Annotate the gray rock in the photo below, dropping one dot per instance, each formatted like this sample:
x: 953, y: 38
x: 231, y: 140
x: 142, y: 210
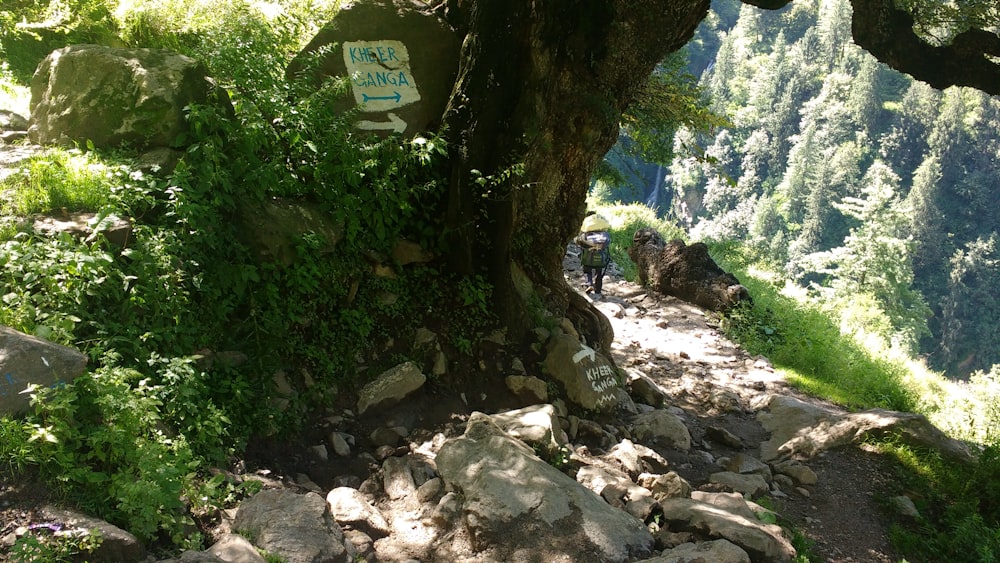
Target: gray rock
x: 298, y: 528
x: 802, y: 474
x: 537, y: 426
x: 730, y: 502
x: 194, y: 557
x: 903, y: 505
x: 430, y: 489
x: 391, y: 387
x: 722, y: 436
x: 645, y: 390
x: 397, y: 480
x: 27, y: 360
x: 85, y: 226
x: 743, y: 463
x: 110, y: 96
x: 12, y: 121
x: 663, y: 427
x: 717, y: 551
x: 668, y: 485
x: 752, y: 484
x: 524, y: 503
x: 408, y: 252
x: 384, y: 436
x: 529, y: 389
x: 636, y: 459
x: 798, y: 428
x: 339, y: 444
x: 763, y: 542
x: 350, y: 508
x: 233, y: 548
x: 272, y: 229
x: 118, y: 546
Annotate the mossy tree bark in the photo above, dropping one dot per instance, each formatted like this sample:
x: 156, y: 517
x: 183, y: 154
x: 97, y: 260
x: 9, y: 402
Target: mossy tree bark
x: 540, y: 91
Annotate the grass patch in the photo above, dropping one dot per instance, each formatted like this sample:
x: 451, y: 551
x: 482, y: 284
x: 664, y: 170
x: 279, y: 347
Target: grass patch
x: 805, y: 342
x: 60, y: 181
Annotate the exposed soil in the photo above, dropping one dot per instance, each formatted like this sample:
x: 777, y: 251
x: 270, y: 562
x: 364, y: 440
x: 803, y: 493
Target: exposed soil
x: 673, y: 343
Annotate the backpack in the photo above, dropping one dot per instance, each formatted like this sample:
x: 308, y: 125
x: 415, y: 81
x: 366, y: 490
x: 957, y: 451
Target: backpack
x: 595, y: 249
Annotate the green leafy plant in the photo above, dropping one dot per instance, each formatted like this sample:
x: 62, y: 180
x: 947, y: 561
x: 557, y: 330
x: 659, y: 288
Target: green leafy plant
x: 43, y: 543
x: 102, y: 440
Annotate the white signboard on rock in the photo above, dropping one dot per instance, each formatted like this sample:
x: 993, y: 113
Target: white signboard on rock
x: 381, y: 78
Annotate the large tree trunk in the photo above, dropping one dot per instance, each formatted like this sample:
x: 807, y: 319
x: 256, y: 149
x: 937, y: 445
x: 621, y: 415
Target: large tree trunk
x: 540, y: 92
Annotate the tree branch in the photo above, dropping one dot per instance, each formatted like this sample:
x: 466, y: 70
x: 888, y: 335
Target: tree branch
x: 887, y: 33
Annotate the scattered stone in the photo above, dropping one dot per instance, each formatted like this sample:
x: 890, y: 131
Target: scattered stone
x: 722, y: 436
x: 743, y: 463
x: 802, y: 474
x: 645, y: 390
x: 430, y: 489
x: 383, y: 436
x: 305, y: 532
x: 903, y: 505
x: 397, y: 479
x: 363, y: 544
x: 716, y: 551
x: 392, y: 386
x: 339, y: 444
x: 753, y: 485
x: 668, y: 485
x: 86, y: 226
x: 306, y: 482
x: 350, y: 508
x: 663, y: 427
x: 529, y: 389
x: 636, y: 458
x: 233, y: 548
x: 320, y: 452
x: 730, y: 502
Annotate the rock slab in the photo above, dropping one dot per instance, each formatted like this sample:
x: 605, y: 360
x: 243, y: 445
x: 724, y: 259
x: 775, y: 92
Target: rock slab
x: 513, y: 496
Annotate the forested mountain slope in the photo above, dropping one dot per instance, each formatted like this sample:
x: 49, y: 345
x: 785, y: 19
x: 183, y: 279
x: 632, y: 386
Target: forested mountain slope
x: 856, y: 180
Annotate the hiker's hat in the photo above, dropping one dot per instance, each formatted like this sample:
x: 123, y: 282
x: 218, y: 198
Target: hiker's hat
x: 594, y: 223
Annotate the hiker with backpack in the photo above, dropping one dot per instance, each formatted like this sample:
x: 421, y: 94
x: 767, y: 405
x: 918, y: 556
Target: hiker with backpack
x: 595, y: 241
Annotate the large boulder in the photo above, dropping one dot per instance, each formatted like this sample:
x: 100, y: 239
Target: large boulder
x: 589, y: 378
x: 401, y: 57
x: 801, y: 429
x: 27, y: 360
x: 532, y: 511
x: 111, y: 96
x: 684, y: 271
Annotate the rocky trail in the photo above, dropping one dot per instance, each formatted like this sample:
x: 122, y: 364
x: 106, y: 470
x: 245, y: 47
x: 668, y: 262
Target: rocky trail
x: 413, y: 480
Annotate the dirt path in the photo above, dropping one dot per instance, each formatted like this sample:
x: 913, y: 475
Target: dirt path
x: 676, y: 345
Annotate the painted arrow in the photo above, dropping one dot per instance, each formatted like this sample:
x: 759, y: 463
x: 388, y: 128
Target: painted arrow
x: 587, y: 351
x: 395, y: 97
x: 394, y: 124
